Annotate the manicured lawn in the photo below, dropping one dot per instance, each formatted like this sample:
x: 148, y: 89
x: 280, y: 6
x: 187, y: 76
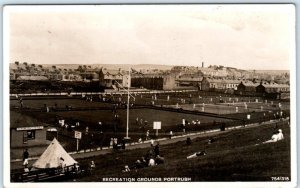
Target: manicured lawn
x: 169, y: 121
x: 230, y: 108
x: 60, y: 103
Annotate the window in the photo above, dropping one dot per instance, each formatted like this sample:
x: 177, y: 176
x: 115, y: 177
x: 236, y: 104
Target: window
x: 30, y: 135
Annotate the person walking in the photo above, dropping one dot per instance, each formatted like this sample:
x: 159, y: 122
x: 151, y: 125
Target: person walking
x: 25, y: 157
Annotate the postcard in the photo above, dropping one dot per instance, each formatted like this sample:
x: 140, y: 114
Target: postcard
x: 150, y: 95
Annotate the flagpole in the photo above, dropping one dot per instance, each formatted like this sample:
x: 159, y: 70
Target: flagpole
x: 128, y: 103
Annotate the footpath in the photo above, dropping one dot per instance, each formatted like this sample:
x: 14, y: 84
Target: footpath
x: 17, y: 163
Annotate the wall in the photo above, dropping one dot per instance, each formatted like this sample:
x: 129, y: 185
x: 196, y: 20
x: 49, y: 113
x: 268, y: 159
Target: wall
x: 16, y: 139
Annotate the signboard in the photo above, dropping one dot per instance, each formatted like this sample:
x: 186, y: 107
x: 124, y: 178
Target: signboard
x: 29, y: 128
x: 77, y: 135
x: 157, y: 125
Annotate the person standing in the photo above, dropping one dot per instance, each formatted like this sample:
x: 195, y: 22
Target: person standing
x: 137, y: 121
x: 171, y: 134
x: 152, y: 142
x: 147, y: 135
x: 156, y: 150
x: 25, y: 157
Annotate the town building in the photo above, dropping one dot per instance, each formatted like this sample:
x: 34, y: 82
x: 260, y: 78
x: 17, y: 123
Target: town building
x: 189, y: 79
x: 272, y: 89
x: 156, y: 80
x: 246, y: 87
x: 114, y: 78
x: 26, y: 131
x: 218, y: 84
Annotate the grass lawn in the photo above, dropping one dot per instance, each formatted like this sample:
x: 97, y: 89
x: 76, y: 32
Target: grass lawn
x: 222, y: 108
x: 234, y: 156
x: 61, y: 103
x: 162, y: 99
x: 170, y: 121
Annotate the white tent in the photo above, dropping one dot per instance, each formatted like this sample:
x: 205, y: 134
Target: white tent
x: 54, y: 156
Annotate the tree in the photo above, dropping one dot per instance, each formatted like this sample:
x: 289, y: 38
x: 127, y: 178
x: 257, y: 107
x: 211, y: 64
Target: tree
x: 17, y: 63
x: 54, y: 67
x: 80, y: 69
x: 25, y: 63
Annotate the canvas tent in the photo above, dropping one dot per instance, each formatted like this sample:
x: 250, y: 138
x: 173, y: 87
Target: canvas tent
x: 54, y: 156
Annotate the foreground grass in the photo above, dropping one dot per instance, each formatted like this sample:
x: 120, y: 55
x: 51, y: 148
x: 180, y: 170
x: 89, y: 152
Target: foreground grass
x: 234, y: 156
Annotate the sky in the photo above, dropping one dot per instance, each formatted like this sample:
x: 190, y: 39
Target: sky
x: 241, y: 36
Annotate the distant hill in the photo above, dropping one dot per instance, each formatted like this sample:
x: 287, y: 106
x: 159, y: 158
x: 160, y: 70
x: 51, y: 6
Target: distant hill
x: 112, y: 66
x: 144, y: 66
x: 272, y: 71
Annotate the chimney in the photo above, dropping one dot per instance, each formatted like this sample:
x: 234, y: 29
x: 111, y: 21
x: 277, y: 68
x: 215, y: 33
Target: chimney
x: 202, y: 64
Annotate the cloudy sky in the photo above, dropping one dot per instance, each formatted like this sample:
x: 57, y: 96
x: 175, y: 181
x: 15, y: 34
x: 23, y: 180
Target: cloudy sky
x: 242, y: 36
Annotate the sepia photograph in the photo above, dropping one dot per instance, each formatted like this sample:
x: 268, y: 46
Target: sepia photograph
x: 144, y: 93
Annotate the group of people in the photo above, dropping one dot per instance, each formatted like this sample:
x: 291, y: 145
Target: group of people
x: 152, y: 158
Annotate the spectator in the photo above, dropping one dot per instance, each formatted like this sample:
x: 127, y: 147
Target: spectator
x: 147, y: 135
x: 140, y: 140
x: 144, y: 162
x: 111, y: 143
x: 222, y: 128
x: 92, y: 167
x: 151, y: 162
x: 149, y: 155
x: 159, y: 160
x: 171, y: 134
x: 126, y: 169
x: 280, y: 135
x: 77, y: 168
x: 156, y: 150
x: 152, y: 142
x: 138, y: 164
x: 211, y: 140
x: 197, y: 154
x: 188, y: 141
x: 275, y: 137
x: 123, y: 144
x: 141, y: 121
x: 25, y: 157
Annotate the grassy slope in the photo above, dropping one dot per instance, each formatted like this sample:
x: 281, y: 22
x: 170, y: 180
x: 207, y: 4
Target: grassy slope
x: 233, y: 156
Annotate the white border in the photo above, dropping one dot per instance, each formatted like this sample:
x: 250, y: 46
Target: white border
x: 6, y: 131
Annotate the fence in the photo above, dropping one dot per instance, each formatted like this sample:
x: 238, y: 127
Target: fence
x: 113, y: 92
x: 41, y: 175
